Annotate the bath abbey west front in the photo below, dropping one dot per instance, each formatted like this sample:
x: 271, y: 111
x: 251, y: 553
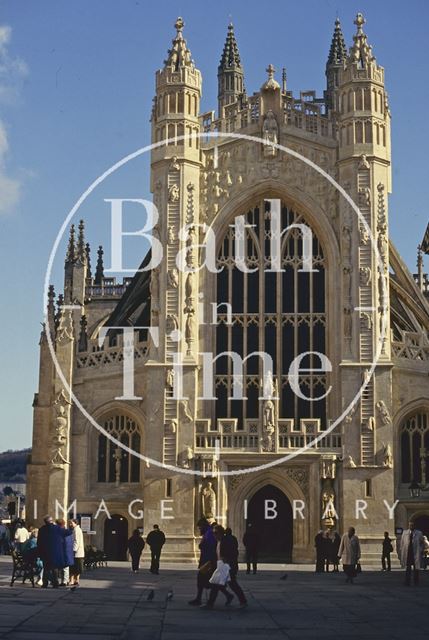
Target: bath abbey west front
x: 356, y: 287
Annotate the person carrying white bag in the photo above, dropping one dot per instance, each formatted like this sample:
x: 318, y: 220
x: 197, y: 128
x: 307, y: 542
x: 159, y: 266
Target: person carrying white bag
x: 219, y: 578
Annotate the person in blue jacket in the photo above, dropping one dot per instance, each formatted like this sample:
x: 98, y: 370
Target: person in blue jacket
x: 50, y: 545
x: 64, y: 574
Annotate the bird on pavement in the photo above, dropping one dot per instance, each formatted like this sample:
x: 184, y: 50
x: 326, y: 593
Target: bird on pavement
x: 151, y: 595
x: 170, y: 595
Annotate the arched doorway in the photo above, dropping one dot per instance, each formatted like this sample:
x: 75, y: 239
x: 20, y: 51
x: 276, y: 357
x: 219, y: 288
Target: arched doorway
x: 116, y: 537
x: 422, y: 522
x: 275, y: 533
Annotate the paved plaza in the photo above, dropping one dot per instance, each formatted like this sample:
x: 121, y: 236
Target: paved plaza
x: 113, y: 603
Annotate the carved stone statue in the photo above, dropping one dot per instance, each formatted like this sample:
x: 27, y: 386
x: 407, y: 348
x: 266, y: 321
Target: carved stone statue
x: 173, y: 278
x: 169, y: 378
x: 154, y: 291
x: 208, y: 495
x: 171, y: 236
x: 173, y: 193
x: 269, y: 415
x: 348, y: 322
x: 365, y: 276
x: 387, y: 456
x: 270, y: 134
x: 328, y: 506
x: 384, y: 413
x: 184, y: 410
x: 118, y: 461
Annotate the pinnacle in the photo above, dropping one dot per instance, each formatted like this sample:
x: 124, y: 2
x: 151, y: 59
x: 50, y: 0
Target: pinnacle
x: 230, y: 55
x: 338, y: 50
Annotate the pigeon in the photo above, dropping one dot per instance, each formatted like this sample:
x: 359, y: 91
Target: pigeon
x: 170, y: 595
x: 284, y: 577
x: 151, y: 595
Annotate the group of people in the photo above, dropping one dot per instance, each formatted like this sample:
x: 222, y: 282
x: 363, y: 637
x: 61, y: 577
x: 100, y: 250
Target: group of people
x: 56, y: 550
x: 218, y: 566
x: 327, y: 545
x: 155, y: 539
x: 413, y: 552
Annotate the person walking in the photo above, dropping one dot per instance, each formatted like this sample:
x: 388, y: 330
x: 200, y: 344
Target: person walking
x: 387, y: 549
x: 318, y: 543
x: 207, y: 562
x: 251, y: 544
x: 425, y: 559
x: 156, y: 540
x: 135, y: 548
x: 335, y: 546
x: 226, y: 552
x: 50, y: 548
x: 411, y: 551
x: 349, y: 552
x: 79, y: 553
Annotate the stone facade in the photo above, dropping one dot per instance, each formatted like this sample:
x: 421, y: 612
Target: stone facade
x: 371, y: 310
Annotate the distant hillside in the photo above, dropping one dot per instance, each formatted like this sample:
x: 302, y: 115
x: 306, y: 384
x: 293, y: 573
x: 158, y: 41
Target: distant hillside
x: 13, y: 465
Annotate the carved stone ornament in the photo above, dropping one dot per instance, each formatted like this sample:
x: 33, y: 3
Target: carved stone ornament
x: 208, y: 499
x: 173, y: 193
x: 383, y: 412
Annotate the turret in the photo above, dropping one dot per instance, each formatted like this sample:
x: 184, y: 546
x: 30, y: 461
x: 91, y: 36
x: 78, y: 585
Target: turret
x: 177, y: 102
x: 230, y: 73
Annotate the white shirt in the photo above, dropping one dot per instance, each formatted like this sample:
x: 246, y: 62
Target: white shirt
x: 78, y: 545
x: 21, y: 535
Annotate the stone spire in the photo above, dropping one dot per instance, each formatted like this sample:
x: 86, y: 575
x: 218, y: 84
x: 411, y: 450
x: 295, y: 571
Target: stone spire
x: 338, y: 50
x: 271, y: 84
x: 71, y: 247
x: 88, y: 259
x: 179, y: 55
x: 360, y: 51
x: 50, y: 311
x: 99, y: 271
x: 80, y: 246
x: 336, y: 58
x: 230, y: 72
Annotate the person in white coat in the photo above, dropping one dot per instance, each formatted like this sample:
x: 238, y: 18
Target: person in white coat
x: 411, y: 552
x: 349, y: 552
x: 79, y: 553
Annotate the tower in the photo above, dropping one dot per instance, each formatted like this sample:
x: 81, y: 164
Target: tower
x: 336, y: 58
x: 230, y: 73
x: 175, y: 180
x: 364, y: 172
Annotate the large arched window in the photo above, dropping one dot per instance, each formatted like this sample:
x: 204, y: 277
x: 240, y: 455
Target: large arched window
x: 114, y: 463
x: 414, y: 446
x: 280, y: 313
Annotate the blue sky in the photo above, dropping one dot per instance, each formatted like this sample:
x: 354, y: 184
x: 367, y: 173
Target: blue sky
x: 76, y: 87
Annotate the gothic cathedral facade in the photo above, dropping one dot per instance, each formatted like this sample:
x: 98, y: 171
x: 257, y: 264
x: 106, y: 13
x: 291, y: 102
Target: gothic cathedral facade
x: 323, y: 440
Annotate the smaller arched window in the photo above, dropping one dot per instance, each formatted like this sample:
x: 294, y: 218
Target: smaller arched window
x: 414, y: 443
x: 114, y: 463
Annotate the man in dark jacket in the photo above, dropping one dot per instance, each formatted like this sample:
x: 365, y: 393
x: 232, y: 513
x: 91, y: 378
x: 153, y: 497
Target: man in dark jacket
x: 386, y: 551
x: 251, y: 542
x: 156, y: 540
x: 50, y: 546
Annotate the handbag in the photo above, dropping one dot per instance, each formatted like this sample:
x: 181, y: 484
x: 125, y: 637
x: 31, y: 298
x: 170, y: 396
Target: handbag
x: 205, y: 569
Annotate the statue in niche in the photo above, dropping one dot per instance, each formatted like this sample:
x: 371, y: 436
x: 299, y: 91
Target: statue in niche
x: 173, y: 193
x: 208, y: 496
x: 60, y: 436
x: 171, y: 236
x: 270, y: 134
x: 347, y: 244
x: 387, y: 456
x: 174, y: 165
x: 169, y: 378
x: 118, y: 462
x: 184, y: 410
x: 366, y: 320
x: 328, y: 505
x: 173, y: 277
x: 384, y: 413
x: 363, y: 163
x: 363, y: 234
x: 365, y: 276
x: 369, y: 424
